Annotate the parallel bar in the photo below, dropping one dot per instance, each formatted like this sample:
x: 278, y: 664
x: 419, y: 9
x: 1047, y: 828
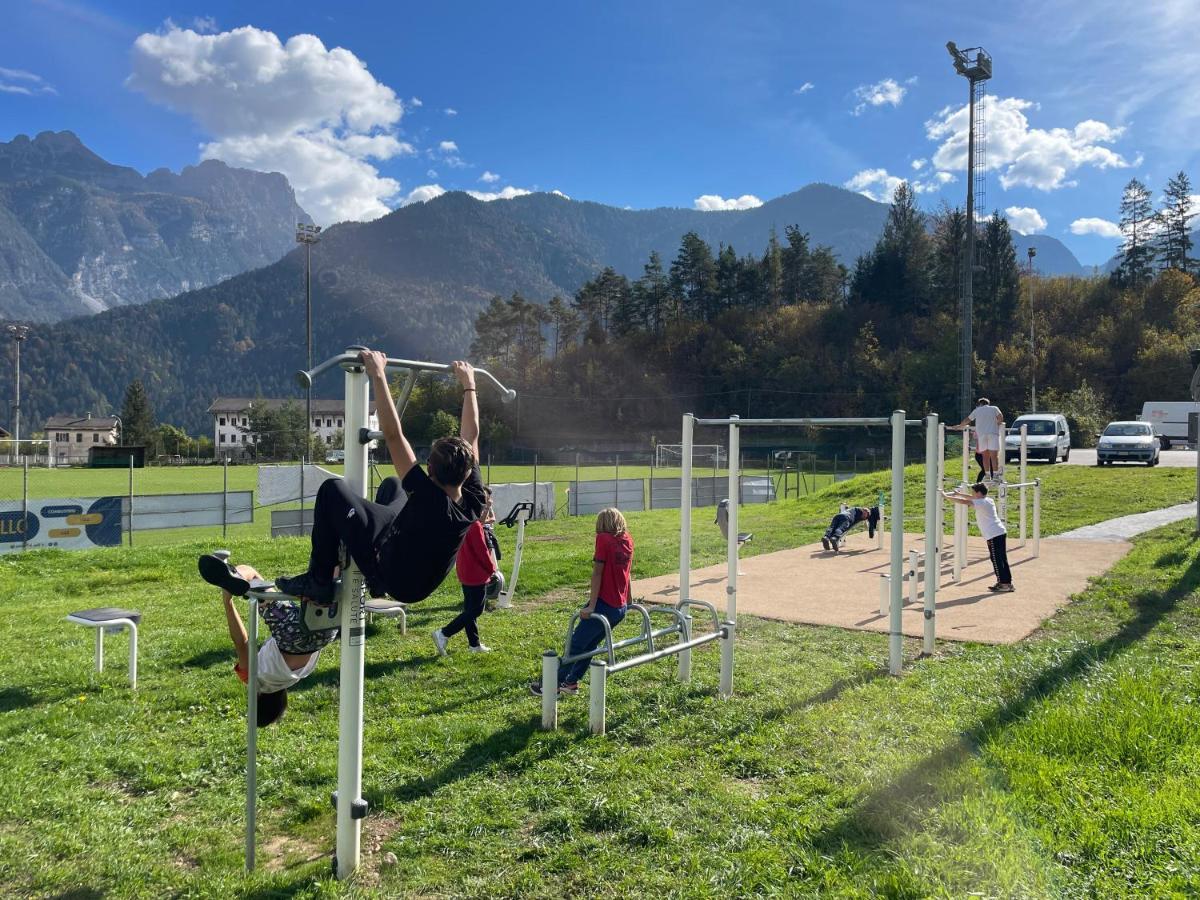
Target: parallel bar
x: 1024, y: 475
x: 1037, y: 518
x: 251, y: 731
x: 353, y: 638
x: 727, y: 644
x: 933, y: 534
x: 731, y: 549
x: 827, y: 421
x: 685, y: 533
x: 896, y: 636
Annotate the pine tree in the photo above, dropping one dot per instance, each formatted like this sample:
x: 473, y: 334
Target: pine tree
x: 652, y: 293
x: 997, y: 290
x: 773, y: 270
x: 1137, y: 251
x: 694, y: 277
x: 1174, y: 221
x: 137, y: 416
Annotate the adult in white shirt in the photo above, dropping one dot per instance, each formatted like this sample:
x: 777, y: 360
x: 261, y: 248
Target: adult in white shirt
x: 993, y: 531
x: 988, y: 421
x: 286, y: 658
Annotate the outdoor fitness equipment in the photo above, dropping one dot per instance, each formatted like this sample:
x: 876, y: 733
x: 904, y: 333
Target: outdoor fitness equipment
x: 517, y: 516
x: 898, y: 423
x: 351, y: 807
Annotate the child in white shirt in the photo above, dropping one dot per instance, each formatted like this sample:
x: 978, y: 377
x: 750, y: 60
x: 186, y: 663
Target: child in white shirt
x: 993, y: 531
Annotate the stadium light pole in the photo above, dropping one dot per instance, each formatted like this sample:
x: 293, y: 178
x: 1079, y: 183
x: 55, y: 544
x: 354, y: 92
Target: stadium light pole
x: 976, y: 70
x: 1194, y: 356
x: 1032, y: 252
x: 19, y: 333
x: 307, y: 235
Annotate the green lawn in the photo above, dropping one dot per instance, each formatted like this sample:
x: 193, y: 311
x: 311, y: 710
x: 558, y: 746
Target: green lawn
x: 1065, y: 766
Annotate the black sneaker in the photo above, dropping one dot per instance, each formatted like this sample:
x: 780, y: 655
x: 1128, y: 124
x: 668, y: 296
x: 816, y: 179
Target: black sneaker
x: 220, y: 573
x: 305, y: 585
x: 825, y: 543
x: 535, y: 688
x: 834, y: 544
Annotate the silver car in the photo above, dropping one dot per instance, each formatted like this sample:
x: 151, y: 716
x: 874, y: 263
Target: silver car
x: 1128, y: 442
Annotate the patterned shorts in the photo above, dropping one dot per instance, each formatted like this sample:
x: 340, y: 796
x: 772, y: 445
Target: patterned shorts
x: 286, y: 622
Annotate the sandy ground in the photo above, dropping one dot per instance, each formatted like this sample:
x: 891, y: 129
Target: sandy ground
x: 817, y: 587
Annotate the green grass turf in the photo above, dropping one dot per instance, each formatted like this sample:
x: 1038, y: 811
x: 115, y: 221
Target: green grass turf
x: 1065, y: 766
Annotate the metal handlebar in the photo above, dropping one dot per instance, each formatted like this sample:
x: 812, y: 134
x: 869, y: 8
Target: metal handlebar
x: 351, y: 355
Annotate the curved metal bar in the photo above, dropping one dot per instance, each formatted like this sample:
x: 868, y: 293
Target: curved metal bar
x: 647, y: 628
x: 306, y: 378
x: 703, y: 604
x: 567, y: 658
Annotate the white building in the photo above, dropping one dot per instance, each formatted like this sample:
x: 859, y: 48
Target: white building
x: 231, y: 419
x: 72, y: 437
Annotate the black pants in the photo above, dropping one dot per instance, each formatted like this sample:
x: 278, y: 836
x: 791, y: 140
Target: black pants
x: 839, y: 525
x: 340, y: 517
x: 473, y: 600
x: 998, y: 551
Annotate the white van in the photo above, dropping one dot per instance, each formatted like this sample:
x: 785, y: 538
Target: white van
x: 1169, y: 420
x: 1047, y: 436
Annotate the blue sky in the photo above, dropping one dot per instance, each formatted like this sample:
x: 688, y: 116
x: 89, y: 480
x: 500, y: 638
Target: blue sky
x: 633, y: 104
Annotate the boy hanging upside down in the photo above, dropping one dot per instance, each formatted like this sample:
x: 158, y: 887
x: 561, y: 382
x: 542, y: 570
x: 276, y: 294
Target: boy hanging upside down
x: 847, y: 519
x: 403, y: 552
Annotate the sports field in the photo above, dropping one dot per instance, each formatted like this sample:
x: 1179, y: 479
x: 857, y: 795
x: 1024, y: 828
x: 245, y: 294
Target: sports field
x: 1061, y: 766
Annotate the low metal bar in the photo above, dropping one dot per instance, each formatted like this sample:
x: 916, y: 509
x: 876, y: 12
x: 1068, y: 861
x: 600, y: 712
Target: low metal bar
x: 704, y: 604
x: 665, y: 651
x: 878, y: 420
x: 1037, y: 518
x: 607, y: 641
x: 725, y: 690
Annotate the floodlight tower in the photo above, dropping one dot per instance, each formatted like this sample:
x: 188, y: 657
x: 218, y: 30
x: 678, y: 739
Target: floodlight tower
x: 307, y: 235
x: 975, y: 65
x: 18, y: 333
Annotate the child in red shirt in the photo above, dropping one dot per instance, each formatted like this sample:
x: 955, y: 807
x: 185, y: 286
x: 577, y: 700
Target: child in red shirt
x: 476, y: 565
x: 609, y: 596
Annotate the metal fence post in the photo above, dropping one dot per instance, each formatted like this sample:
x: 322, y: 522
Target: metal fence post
x: 24, y: 504
x: 617, y: 480
x: 130, y: 499
x: 535, y: 464
x: 225, y: 498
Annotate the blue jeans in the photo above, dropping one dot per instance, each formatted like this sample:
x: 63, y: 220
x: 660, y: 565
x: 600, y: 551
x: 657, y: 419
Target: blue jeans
x: 587, y: 637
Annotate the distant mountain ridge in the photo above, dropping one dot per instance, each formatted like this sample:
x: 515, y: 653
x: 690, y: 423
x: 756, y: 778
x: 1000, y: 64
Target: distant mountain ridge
x: 412, y: 282
x: 81, y: 235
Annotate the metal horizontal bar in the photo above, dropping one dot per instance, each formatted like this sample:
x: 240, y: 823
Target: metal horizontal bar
x: 665, y: 651
x: 1020, y: 484
x: 627, y: 642
x: 351, y: 355
x: 830, y: 422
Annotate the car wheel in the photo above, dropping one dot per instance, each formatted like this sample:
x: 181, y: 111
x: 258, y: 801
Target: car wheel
x: 1067, y: 455
x: 1052, y: 457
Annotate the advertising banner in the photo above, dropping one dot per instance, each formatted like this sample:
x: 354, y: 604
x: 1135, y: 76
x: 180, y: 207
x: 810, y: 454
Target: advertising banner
x: 67, y: 523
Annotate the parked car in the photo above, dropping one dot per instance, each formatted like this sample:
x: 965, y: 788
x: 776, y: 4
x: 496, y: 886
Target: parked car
x: 336, y: 456
x: 1169, y: 419
x: 1047, y: 436
x: 1128, y: 442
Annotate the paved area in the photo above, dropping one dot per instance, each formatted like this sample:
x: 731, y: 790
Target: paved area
x: 1126, y: 527
x: 1181, y: 458
x: 811, y: 585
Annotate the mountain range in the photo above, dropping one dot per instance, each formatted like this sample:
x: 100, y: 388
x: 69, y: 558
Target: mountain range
x: 81, y: 235
x: 412, y: 281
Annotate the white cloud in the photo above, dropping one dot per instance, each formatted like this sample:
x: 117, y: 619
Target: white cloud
x: 1101, y: 227
x: 450, y: 111
x: 919, y: 164
x: 1025, y: 156
x: 715, y: 202
x: 431, y: 173
x: 317, y: 115
x: 1025, y: 219
x: 489, y: 177
x: 423, y: 193
x: 448, y: 147
x: 415, y: 102
x: 883, y: 93
x: 18, y: 81
x: 875, y: 183
x: 205, y: 25
x: 506, y: 194
x: 559, y: 193
x: 804, y: 88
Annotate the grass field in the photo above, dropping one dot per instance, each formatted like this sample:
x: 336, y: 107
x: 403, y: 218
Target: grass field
x: 1065, y: 766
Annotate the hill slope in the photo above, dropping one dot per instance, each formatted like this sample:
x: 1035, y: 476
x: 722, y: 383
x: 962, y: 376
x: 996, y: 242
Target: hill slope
x: 82, y: 235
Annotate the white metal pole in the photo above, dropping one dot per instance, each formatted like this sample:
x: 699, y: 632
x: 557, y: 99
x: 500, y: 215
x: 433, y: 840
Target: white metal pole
x: 99, y: 649
x: 132, y: 629
x: 731, y: 548
x: 727, y: 661
x: 914, y: 581
x: 941, y: 482
x: 885, y: 593
x: 1024, y: 475
x: 882, y: 519
x: 1037, y: 517
x: 933, y: 535
x: 550, y: 663
x: 685, y: 656
x: 896, y: 638
x: 598, y: 671
x: 350, y: 807
x: 685, y: 533
x: 251, y: 730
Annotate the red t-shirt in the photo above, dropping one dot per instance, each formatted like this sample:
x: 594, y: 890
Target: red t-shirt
x: 475, y: 564
x: 616, y: 552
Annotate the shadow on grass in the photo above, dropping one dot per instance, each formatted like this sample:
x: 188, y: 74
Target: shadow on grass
x: 878, y: 817
x: 81, y: 893
x: 16, y: 698
x: 209, y: 658
x: 378, y: 669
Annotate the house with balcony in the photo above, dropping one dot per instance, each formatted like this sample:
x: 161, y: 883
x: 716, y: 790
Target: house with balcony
x: 72, y: 437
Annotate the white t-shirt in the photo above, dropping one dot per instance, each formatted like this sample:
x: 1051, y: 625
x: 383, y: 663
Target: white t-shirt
x: 986, y: 518
x: 987, y: 420
x: 274, y: 674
